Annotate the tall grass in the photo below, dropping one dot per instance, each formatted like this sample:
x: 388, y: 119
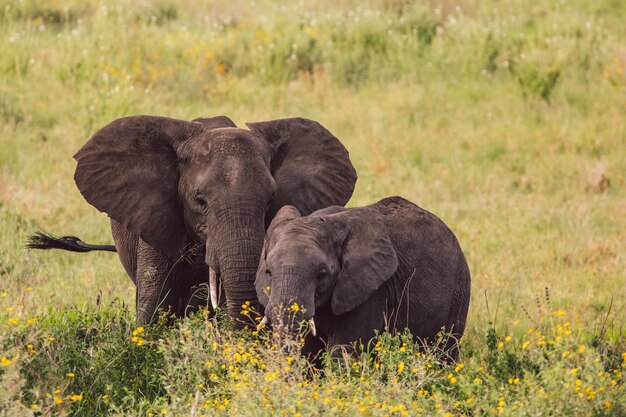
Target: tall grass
x: 504, y: 118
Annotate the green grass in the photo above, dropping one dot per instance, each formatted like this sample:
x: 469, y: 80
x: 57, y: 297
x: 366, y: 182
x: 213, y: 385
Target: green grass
x: 503, y: 118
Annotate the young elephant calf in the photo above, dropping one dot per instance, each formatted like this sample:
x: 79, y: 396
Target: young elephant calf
x: 350, y: 271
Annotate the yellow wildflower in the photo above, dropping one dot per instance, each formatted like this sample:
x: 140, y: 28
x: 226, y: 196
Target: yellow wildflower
x: 5, y: 361
x: 311, y: 32
x: 137, y: 340
x: 76, y: 397
x: 71, y: 374
x: 270, y: 376
x: 58, y: 400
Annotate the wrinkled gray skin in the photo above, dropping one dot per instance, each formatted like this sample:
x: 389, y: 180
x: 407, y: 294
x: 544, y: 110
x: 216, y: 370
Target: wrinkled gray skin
x: 387, y: 265
x: 171, y: 185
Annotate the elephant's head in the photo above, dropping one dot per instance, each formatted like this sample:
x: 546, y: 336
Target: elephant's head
x: 176, y: 183
x: 335, y: 257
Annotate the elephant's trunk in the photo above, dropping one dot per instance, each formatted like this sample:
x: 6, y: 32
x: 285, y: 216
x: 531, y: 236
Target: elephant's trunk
x: 234, y: 253
x: 291, y: 301
x: 237, y: 277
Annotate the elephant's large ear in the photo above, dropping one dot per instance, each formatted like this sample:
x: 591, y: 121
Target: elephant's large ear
x: 368, y: 260
x: 311, y: 167
x: 263, y: 280
x: 129, y: 170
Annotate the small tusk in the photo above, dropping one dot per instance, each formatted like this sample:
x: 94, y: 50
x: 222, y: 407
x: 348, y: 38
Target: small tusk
x: 262, y: 323
x: 312, y: 327
x: 213, y: 287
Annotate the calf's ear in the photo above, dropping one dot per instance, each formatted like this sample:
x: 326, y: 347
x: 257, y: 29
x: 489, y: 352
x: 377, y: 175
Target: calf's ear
x: 368, y: 260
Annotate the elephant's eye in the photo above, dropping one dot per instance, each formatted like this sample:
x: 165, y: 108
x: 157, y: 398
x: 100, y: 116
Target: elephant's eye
x: 200, y: 201
x: 268, y: 272
x: 323, y: 272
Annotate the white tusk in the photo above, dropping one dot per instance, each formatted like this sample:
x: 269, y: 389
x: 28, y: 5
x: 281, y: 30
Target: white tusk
x: 213, y: 287
x: 312, y: 327
x: 262, y: 323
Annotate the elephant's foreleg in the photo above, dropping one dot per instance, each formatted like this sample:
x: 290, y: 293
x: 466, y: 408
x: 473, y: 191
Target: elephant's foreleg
x: 127, y: 244
x: 154, y: 284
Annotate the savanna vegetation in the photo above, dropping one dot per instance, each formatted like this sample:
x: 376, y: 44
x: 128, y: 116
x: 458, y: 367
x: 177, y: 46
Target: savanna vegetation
x: 505, y: 118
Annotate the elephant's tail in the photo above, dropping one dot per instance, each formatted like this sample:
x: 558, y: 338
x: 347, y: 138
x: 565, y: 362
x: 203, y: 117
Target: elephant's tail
x: 42, y: 240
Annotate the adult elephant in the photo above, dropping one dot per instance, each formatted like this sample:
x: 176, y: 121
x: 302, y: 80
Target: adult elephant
x: 169, y: 184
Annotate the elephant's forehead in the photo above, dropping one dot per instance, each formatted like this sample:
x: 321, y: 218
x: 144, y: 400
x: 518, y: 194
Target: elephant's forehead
x: 229, y: 148
x: 303, y: 233
x: 296, y: 250
x: 230, y: 142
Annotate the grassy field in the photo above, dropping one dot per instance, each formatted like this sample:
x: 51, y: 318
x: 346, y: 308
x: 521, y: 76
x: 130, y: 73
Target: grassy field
x: 504, y: 118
